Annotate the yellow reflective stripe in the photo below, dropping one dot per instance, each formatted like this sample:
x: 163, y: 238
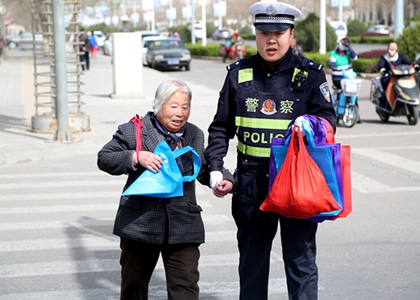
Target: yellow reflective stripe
x: 245, y: 75
x: 262, y: 123
x: 254, y: 151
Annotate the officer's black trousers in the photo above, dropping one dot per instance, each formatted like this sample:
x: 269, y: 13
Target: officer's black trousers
x: 256, y: 230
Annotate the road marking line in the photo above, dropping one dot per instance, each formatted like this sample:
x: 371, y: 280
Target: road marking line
x: 390, y: 159
x: 376, y: 134
x: 58, y: 184
x: 158, y: 292
x: 90, y: 222
x: 62, y: 196
x: 55, y: 175
x: 364, y: 184
x: 91, y: 240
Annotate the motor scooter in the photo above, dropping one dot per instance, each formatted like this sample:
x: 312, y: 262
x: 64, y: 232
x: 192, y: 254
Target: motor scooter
x: 240, y: 50
x: 236, y: 51
x: 401, y: 99
x: 345, y: 99
x: 224, y: 50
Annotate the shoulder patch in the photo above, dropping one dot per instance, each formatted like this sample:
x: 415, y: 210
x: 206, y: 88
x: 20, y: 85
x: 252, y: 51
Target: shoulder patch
x: 325, y: 90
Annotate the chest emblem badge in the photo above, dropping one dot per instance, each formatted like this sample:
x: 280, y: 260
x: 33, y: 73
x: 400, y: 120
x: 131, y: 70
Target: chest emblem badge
x: 269, y: 107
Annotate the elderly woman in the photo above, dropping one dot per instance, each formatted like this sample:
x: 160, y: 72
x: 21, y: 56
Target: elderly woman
x: 148, y: 226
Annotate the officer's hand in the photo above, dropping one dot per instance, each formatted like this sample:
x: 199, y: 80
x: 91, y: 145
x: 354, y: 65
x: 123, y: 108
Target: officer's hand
x: 299, y: 123
x: 216, y: 177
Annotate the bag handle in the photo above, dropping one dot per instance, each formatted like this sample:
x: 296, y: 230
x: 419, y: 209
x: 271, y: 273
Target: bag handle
x: 309, y: 135
x: 138, y: 123
x: 196, y: 162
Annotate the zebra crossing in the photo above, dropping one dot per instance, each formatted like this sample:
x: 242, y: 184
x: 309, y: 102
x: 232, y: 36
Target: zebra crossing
x: 56, y: 223
x: 56, y: 237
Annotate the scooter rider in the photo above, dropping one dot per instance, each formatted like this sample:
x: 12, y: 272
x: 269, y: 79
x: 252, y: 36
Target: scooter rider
x: 262, y: 94
x: 341, y: 59
x: 388, y: 61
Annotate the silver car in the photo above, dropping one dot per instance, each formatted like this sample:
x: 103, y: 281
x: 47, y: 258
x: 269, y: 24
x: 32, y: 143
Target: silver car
x: 168, y: 53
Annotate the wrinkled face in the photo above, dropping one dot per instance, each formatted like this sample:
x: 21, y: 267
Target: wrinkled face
x: 175, y: 112
x: 272, y: 46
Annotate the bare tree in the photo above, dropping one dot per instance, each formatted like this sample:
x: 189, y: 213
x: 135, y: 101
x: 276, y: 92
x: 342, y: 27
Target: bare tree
x: 19, y: 11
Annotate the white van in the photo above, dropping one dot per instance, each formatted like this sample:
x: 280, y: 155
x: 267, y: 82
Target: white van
x: 340, y: 29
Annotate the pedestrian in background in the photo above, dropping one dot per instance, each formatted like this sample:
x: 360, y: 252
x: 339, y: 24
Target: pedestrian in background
x: 3, y: 46
x: 149, y: 227
x: 296, y: 48
x: 84, y: 49
x: 263, y: 94
x: 93, y: 43
x: 176, y: 35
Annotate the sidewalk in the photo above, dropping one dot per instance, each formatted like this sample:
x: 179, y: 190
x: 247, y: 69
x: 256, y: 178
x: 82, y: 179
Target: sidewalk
x: 18, y: 144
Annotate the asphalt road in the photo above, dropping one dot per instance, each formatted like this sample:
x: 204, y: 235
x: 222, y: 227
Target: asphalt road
x: 56, y: 218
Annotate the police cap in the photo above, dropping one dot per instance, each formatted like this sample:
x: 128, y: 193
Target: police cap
x: 272, y: 16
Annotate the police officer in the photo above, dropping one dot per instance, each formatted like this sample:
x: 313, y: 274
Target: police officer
x: 261, y: 96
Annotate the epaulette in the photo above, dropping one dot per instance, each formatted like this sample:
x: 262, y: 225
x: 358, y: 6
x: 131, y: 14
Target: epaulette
x: 240, y: 62
x: 233, y: 66
x: 308, y: 63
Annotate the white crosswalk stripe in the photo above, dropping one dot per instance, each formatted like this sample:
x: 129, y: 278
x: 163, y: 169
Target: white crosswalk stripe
x: 383, y: 157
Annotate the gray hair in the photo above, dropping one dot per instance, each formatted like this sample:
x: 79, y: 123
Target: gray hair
x: 165, y: 91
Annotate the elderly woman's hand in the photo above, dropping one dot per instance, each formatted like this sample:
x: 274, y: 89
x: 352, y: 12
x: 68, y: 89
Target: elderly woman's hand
x: 148, y: 160
x: 223, y: 188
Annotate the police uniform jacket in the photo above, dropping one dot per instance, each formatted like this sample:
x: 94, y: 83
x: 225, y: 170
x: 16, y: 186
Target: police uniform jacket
x: 154, y: 220
x: 278, y: 102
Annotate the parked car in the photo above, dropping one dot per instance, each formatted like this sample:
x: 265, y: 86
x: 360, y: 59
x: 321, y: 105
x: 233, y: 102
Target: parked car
x: 382, y: 29
x: 146, y: 42
x: 221, y: 34
x: 147, y: 33
x: 24, y: 40
x: 107, y: 47
x: 100, y: 38
x: 340, y: 29
x: 168, y: 53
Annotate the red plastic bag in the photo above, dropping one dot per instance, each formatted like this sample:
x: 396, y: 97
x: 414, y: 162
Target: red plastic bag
x: 346, y: 175
x: 138, y: 122
x: 299, y: 189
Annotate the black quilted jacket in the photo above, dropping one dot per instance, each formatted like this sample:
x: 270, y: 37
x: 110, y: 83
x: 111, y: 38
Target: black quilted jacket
x: 145, y: 218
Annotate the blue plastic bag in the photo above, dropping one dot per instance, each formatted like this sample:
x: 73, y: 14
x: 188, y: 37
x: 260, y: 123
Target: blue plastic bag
x: 168, y: 182
x: 322, y: 156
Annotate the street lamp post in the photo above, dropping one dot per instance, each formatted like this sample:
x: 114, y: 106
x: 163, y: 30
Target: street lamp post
x: 322, y: 29
x: 204, y: 21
